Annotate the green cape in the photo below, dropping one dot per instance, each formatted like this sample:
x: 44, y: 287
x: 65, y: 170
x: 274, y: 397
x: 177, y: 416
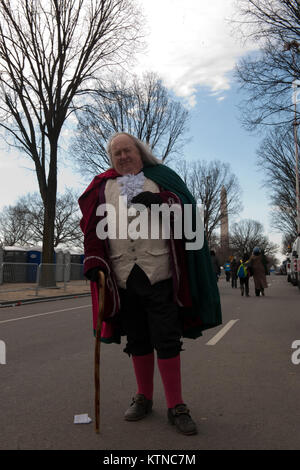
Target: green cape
x: 202, y: 279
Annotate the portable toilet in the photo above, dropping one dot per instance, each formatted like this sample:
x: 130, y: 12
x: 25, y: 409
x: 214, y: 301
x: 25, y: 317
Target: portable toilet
x: 76, y: 266
x: 67, y: 263
x: 59, y: 261
x: 34, y: 258
x: 15, y: 261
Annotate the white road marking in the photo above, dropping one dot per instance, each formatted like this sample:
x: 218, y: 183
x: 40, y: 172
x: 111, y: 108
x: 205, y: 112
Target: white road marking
x: 43, y: 314
x: 221, y: 333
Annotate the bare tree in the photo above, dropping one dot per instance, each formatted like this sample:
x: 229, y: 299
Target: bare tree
x: 205, y: 181
x: 276, y: 156
x: 247, y: 234
x: 67, y: 219
x: 15, y: 226
x: 50, y: 53
x: 287, y: 243
x: 139, y: 106
x: 67, y: 232
x: 271, y: 19
x: 22, y: 224
x: 267, y: 76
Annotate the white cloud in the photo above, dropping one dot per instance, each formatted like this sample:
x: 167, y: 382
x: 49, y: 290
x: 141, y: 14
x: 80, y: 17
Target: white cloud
x: 190, y: 44
x: 16, y: 177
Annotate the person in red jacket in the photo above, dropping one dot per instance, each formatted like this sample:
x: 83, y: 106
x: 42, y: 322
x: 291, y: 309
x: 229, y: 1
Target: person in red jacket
x: 148, y: 292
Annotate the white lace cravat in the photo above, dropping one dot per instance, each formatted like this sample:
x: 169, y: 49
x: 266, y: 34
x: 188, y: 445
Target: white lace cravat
x: 131, y: 185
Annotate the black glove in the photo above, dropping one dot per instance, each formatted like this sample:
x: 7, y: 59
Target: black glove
x: 147, y: 198
x: 93, y: 274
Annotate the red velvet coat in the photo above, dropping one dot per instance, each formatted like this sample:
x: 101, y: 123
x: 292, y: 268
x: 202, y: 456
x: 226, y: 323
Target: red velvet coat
x: 97, y: 255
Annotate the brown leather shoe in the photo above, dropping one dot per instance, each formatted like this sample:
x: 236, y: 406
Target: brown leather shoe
x: 139, y: 408
x: 180, y: 416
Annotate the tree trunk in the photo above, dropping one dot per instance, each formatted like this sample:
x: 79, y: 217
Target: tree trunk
x: 48, y: 273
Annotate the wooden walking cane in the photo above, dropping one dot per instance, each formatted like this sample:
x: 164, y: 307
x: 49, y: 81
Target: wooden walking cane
x: 97, y: 349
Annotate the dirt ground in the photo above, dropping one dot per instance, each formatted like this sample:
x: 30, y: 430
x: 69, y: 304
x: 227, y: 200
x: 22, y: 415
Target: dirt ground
x: 16, y: 292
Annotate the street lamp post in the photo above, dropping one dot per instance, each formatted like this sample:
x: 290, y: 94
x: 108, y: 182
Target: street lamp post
x: 296, y: 83
x: 294, y: 46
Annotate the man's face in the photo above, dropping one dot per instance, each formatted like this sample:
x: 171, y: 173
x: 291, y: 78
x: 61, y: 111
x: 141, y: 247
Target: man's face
x: 126, y: 158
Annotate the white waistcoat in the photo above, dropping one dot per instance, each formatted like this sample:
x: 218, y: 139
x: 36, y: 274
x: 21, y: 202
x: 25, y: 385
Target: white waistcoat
x: 152, y: 255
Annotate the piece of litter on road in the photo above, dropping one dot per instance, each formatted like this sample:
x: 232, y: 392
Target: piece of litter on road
x: 82, y: 419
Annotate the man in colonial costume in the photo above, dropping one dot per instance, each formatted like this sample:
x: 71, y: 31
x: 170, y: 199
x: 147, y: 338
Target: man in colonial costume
x: 157, y: 290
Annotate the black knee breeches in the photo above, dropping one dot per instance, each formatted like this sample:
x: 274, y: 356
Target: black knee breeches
x: 150, y: 317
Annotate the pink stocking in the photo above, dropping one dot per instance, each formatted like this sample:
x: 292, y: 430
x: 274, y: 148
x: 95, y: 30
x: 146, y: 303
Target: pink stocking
x: 144, y: 371
x: 171, y: 378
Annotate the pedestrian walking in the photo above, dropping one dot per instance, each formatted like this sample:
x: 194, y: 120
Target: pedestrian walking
x: 258, y: 267
x: 157, y: 291
x: 233, y: 269
x: 215, y: 264
x: 243, y: 274
x: 227, y: 270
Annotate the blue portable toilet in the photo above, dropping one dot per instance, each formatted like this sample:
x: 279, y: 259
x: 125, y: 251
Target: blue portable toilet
x: 34, y: 256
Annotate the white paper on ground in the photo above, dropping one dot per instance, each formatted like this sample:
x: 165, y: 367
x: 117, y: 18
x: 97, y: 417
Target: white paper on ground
x: 82, y: 419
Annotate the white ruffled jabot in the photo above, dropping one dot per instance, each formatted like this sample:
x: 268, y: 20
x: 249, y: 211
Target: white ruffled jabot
x: 131, y: 185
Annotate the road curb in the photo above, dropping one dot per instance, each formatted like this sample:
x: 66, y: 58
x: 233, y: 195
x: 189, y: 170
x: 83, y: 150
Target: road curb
x: 17, y: 303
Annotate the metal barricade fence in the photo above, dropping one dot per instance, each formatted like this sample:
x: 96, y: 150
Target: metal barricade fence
x: 39, y: 278
x: 63, y: 274
x: 75, y: 272
x: 18, y: 272
x: 49, y: 274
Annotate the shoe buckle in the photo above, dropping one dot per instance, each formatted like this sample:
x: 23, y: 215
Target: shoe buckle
x: 138, y: 399
x: 182, y: 410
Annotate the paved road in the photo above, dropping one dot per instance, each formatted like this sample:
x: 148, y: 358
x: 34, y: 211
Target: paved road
x: 242, y: 388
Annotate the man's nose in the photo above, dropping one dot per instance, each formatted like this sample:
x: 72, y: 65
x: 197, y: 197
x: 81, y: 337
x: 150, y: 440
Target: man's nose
x: 123, y: 155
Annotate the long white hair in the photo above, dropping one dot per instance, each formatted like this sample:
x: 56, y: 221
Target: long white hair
x: 144, y: 149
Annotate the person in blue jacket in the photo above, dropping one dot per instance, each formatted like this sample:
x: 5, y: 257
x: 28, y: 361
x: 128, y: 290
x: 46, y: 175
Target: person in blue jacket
x: 227, y: 270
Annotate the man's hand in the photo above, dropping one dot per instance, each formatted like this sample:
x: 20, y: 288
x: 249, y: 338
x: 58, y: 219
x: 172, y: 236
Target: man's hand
x: 147, y: 198
x: 93, y: 274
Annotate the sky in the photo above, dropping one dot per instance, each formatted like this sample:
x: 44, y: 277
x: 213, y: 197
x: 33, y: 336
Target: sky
x: 192, y: 46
